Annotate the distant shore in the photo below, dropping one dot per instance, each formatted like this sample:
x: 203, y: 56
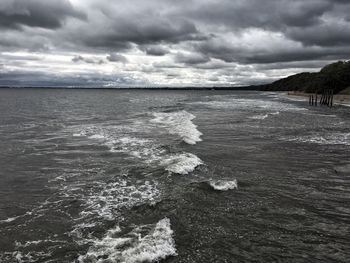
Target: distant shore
x: 241, y: 88
x: 339, y: 99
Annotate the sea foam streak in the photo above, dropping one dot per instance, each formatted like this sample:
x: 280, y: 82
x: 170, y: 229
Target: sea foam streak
x: 156, y: 245
x: 333, y: 138
x: 248, y: 104
x: 221, y: 185
x: 179, y: 123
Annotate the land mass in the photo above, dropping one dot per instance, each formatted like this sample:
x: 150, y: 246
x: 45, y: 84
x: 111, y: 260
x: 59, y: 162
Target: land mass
x: 334, y: 76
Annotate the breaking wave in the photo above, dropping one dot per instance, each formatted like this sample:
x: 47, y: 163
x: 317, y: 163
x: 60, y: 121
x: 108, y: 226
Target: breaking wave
x: 149, y: 151
x: 221, y: 185
x: 179, y: 123
x: 148, y: 243
x: 182, y: 163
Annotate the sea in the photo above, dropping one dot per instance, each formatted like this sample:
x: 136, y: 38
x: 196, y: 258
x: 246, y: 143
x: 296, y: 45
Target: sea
x: 89, y: 175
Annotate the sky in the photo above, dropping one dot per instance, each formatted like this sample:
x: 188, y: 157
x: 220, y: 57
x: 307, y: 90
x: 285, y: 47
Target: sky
x: 149, y: 43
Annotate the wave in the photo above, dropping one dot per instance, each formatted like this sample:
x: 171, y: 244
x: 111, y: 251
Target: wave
x: 156, y: 244
x: 179, y: 123
x: 263, y: 116
x: 221, y: 185
x: 327, y: 139
x: 182, y: 163
x: 148, y: 150
x: 9, y: 220
x: 259, y: 117
x: 248, y: 104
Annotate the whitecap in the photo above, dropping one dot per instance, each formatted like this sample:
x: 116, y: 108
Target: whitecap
x: 326, y: 139
x: 248, y: 104
x: 149, y: 151
x: 97, y: 136
x: 259, y: 117
x: 264, y: 116
x: 221, y: 185
x: 182, y: 163
x: 156, y: 245
x: 10, y: 219
x: 179, y: 123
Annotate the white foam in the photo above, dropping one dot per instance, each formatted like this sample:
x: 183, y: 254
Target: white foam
x: 107, y: 198
x: 333, y: 138
x: 263, y: 116
x: 248, y: 104
x: 156, y: 245
x: 221, y: 185
x: 179, y: 123
x: 182, y: 163
x: 259, y: 117
x: 97, y: 136
x: 10, y: 219
x: 149, y: 151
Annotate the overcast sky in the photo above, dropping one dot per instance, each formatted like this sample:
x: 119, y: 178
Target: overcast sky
x: 168, y: 42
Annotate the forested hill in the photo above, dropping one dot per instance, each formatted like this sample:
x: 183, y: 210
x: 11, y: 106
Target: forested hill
x: 335, y: 76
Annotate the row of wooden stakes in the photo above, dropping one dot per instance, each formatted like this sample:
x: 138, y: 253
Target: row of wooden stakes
x: 326, y: 98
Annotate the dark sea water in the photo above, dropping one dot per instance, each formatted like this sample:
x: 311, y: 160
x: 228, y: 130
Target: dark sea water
x: 172, y: 176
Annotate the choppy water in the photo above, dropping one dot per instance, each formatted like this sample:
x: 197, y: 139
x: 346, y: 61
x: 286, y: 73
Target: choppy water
x: 179, y: 176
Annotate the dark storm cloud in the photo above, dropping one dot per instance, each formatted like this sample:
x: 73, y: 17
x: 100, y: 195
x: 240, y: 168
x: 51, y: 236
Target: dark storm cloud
x: 36, y: 13
x: 274, y: 53
x: 292, y: 65
x: 121, y: 33
x: 326, y: 35
x: 269, y: 14
x: 191, y: 35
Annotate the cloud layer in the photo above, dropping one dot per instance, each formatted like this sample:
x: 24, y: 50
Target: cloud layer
x: 168, y: 43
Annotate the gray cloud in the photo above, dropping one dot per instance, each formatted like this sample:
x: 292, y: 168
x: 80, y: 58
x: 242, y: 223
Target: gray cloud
x: 155, y: 50
x: 77, y: 59
x: 326, y: 35
x: 186, y: 36
x: 114, y: 57
x: 44, y: 79
x: 35, y: 13
x: 191, y: 58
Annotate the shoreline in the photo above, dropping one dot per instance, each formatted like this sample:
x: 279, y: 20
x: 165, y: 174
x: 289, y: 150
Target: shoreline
x: 338, y: 99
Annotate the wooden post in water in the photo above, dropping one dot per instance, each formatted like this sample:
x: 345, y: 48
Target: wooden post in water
x: 331, y: 105
x: 316, y: 99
